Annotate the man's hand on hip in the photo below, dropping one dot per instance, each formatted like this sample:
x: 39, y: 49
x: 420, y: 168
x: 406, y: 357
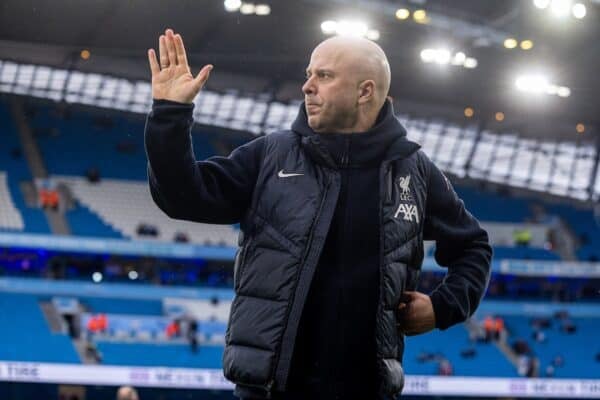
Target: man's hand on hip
x: 415, y: 314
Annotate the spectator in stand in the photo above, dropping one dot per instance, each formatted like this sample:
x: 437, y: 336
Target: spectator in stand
x: 173, y: 329
x: 193, y: 335
x: 127, y: 393
x: 539, y: 336
x: 93, y: 325
x: 102, y: 323
x: 488, y: 326
x: 522, y: 237
x: 445, y: 368
x: 498, y: 327
x: 48, y: 198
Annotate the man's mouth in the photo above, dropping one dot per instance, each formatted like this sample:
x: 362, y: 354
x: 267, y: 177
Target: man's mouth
x: 312, y: 107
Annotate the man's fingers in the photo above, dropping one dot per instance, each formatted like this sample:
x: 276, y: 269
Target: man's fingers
x: 154, y: 67
x: 171, y: 48
x: 162, y: 51
x: 181, y: 56
x: 202, y: 76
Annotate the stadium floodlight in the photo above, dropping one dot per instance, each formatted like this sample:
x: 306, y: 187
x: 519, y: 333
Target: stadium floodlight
x: 349, y: 28
x: 560, y: 8
x: 532, y: 83
x: 420, y: 16
x: 428, y: 55
x: 541, y: 3
x: 526, y: 44
x: 442, y: 56
x: 352, y: 28
x: 470, y: 63
x: 232, y: 5
x: 247, y: 8
x: 564, y: 91
x: 373, y: 34
x: 540, y: 84
x: 262, y: 9
x: 510, y: 43
x: 459, y: 58
x: 402, y: 13
x: 329, y: 27
x: 97, y: 277
x: 579, y: 11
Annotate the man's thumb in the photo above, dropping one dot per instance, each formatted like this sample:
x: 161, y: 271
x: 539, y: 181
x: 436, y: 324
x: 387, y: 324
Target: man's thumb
x: 202, y: 76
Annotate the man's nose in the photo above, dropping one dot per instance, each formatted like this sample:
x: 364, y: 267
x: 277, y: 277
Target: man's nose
x: 308, y: 87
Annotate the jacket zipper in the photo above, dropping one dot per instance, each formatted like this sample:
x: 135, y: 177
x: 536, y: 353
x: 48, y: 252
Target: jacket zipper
x: 346, y: 155
x: 301, y: 289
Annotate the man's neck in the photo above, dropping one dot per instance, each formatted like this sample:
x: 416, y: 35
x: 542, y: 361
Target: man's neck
x: 361, y: 125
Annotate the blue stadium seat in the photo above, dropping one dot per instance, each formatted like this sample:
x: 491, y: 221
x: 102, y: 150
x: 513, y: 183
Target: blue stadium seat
x: 24, y: 327
x: 171, y: 355
x: 17, y: 170
x: 578, y: 349
x: 488, y: 361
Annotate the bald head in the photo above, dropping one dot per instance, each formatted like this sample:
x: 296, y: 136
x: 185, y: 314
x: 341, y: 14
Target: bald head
x: 127, y: 393
x: 348, y: 80
x: 363, y: 58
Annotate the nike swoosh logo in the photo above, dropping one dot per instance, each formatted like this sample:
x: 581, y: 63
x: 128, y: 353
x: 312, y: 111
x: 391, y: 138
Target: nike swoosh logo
x: 281, y: 174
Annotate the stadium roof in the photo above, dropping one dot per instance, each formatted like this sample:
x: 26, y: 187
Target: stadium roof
x: 269, y: 53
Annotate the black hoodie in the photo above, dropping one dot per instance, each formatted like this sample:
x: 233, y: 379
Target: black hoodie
x: 334, y: 355
x: 335, y: 347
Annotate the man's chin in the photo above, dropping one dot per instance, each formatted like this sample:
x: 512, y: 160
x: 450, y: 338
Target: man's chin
x: 313, y: 122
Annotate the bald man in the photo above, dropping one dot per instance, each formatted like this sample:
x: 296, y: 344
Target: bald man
x: 333, y: 214
x: 127, y: 393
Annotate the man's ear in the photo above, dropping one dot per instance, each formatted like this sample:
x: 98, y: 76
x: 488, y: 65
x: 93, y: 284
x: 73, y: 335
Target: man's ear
x: 366, y: 91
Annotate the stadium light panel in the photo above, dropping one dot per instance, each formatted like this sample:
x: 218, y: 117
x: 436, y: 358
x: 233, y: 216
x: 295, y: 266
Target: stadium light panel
x: 349, y: 28
x: 442, y: 56
x: 247, y: 8
x: 560, y: 8
x: 262, y: 9
x: 527, y: 44
x: 510, y: 43
x: 232, y: 5
x: 402, y: 13
x: 420, y: 16
x: 373, y: 34
x: 329, y: 27
x: 470, y: 63
x: 564, y: 91
x: 579, y: 11
x: 459, y: 58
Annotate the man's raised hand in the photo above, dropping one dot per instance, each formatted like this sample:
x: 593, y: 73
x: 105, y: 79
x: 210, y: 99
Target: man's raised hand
x: 172, y: 78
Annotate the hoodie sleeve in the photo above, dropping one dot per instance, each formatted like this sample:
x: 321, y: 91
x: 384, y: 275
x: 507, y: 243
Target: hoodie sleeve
x: 217, y: 190
x: 462, y: 246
